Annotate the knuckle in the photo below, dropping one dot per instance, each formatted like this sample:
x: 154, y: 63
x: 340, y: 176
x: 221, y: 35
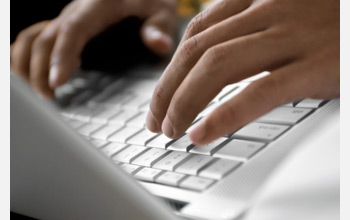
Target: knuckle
x: 41, y: 42
x: 268, y: 89
x: 189, y: 47
x: 195, y: 26
x: 71, y: 27
x: 213, y: 56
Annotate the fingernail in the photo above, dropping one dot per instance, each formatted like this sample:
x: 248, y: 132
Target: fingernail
x: 151, y: 123
x: 197, y: 136
x: 167, y: 128
x: 53, y: 76
x: 155, y: 34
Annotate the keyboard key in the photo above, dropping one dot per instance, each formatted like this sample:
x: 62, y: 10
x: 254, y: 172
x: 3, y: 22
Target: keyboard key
x: 285, y: 115
x: 112, y: 148
x: 135, y: 103
x: 138, y: 121
x: 143, y: 137
x: 98, y: 143
x: 86, y: 114
x: 122, y: 117
x: 148, y: 174
x: 225, y: 91
x: 118, y: 100
x: 182, y: 144
x: 193, y: 125
x: 239, y: 150
x: 260, y: 131
x: 130, y: 169
x: 104, y: 116
x: 210, y: 148
x: 219, y: 169
x: 129, y: 153
x: 310, y: 103
x: 76, y: 124
x: 172, y: 161
x: 196, y: 183
x: 170, y: 178
x: 88, y: 129
x: 106, y: 131
x: 124, y: 134
x: 193, y: 165
x: 150, y: 157
x: 160, y: 141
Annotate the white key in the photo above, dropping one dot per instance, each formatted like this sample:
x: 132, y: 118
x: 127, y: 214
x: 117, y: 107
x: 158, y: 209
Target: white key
x: 106, y: 131
x: 135, y: 103
x: 76, y: 124
x: 310, y: 103
x: 160, y: 141
x: 118, y: 100
x: 104, y: 116
x: 260, y: 131
x: 219, y: 169
x: 98, y: 143
x: 145, y: 107
x: 148, y: 174
x: 285, y: 115
x: 170, y: 178
x: 138, y: 121
x: 69, y: 112
x: 289, y: 104
x: 129, y: 153
x: 89, y: 129
x: 150, y: 157
x: 171, y: 161
x: 143, y: 137
x: 182, y: 144
x: 257, y: 76
x: 225, y: 91
x: 86, y: 114
x: 124, y: 134
x: 193, y: 165
x: 239, y: 150
x: 234, y: 92
x: 196, y: 183
x: 193, y: 125
x: 210, y: 148
x: 208, y: 109
x: 112, y: 148
x: 130, y: 169
x: 122, y: 117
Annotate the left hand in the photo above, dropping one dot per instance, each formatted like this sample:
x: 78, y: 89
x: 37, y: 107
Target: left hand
x: 296, y: 40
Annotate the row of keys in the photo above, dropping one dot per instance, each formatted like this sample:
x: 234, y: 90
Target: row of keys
x: 222, y: 147
x: 180, y: 162
x: 168, y: 178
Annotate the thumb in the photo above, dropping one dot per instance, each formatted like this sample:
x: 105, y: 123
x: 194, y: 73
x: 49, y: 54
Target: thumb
x: 158, y: 31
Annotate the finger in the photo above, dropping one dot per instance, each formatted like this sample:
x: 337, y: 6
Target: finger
x: 74, y: 32
x: 213, y: 15
x: 158, y: 32
x: 222, y: 64
x: 188, y: 54
x: 40, y: 59
x: 281, y: 86
x: 21, y: 49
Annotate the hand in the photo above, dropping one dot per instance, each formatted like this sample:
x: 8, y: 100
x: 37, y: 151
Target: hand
x: 47, y: 53
x: 296, y: 40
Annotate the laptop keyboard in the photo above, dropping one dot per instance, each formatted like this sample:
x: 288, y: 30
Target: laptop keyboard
x: 114, y: 121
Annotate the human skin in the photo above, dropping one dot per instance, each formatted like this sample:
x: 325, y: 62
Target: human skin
x: 46, y: 54
x: 298, y: 41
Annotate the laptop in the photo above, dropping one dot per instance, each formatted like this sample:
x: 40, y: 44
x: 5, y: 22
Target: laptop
x: 94, y: 158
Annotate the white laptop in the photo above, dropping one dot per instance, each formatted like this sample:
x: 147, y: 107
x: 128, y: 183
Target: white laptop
x: 94, y: 158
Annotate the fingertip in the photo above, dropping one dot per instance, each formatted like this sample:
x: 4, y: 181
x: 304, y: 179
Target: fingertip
x: 197, y: 136
x: 157, y: 40
x: 53, y: 76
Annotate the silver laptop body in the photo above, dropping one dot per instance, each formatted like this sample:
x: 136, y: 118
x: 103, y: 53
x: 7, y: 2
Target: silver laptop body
x: 59, y: 173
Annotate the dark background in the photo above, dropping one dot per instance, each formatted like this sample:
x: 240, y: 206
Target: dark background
x: 116, y: 50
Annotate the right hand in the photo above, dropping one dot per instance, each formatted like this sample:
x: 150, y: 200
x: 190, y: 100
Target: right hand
x: 46, y: 54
